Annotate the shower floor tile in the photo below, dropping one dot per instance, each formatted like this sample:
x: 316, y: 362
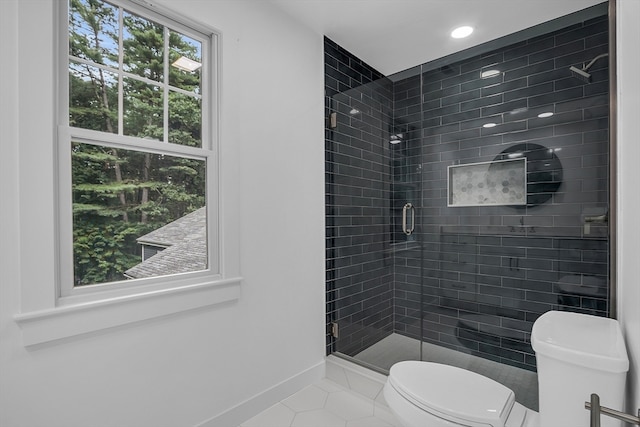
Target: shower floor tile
x: 396, y: 348
x: 324, y: 404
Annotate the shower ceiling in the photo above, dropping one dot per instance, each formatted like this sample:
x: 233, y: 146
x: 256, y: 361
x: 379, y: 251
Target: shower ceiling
x: 379, y: 31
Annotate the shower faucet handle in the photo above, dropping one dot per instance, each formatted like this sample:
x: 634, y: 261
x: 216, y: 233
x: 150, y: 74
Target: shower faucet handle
x: 597, y: 218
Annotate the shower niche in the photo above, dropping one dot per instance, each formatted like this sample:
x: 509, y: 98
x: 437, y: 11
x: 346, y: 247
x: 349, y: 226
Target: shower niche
x: 495, y: 183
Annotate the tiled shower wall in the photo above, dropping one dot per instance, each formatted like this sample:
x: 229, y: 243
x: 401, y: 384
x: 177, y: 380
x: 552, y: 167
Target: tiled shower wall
x: 358, y: 192
x: 489, y: 272
x: 470, y: 278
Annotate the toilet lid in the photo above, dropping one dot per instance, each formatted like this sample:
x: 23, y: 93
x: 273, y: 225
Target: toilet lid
x: 452, y: 393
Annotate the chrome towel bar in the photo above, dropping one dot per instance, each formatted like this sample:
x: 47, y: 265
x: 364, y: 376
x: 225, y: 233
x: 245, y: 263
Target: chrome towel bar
x: 595, y: 409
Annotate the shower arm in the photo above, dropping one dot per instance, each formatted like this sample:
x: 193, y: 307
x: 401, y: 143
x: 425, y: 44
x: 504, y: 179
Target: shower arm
x: 586, y: 67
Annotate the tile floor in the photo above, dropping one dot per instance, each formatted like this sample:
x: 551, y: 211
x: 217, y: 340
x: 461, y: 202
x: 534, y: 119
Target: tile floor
x: 324, y: 404
x: 352, y: 396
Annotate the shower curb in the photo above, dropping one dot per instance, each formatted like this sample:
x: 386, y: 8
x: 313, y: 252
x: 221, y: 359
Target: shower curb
x: 356, y: 378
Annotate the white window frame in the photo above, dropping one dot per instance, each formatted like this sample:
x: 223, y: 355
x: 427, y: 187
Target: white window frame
x: 52, y: 309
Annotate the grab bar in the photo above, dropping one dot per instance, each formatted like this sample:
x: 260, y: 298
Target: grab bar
x: 405, y: 208
x: 595, y: 409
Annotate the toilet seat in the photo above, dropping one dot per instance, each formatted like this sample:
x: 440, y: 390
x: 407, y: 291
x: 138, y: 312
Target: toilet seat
x: 451, y: 393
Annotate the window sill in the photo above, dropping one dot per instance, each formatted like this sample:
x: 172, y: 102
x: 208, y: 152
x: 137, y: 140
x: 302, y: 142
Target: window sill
x: 46, y: 326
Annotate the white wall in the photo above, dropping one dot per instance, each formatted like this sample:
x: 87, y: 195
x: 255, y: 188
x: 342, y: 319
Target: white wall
x: 628, y: 34
x: 185, y: 369
x: 188, y: 368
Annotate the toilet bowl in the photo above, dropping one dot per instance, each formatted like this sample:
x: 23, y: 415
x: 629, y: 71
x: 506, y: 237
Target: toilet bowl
x: 426, y: 394
x: 577, y: 355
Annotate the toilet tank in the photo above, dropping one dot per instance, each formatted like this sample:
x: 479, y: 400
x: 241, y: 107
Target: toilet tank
x: 576, y: 355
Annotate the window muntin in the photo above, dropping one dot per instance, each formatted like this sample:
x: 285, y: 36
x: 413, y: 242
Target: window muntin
x: 118, y: 53
x: 109, y: 237
x: 138, y: 180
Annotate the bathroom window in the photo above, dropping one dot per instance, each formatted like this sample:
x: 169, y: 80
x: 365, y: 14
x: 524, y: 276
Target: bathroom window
x: 138, y: 164
x: 122, y: 204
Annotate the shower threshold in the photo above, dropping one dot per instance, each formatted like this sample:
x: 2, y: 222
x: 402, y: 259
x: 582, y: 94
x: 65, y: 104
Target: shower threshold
x: 395, y: 348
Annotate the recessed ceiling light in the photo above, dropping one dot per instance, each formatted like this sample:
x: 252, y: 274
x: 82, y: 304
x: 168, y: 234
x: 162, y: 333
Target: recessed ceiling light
x: 489, y: 125
x: 462, y: 32
x: 544, y: 115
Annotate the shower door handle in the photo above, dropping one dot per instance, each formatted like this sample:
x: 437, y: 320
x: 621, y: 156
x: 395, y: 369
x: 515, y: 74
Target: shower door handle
x: 405, y: 208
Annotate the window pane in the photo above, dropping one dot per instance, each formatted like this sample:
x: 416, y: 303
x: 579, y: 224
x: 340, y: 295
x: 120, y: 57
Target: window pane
x: 143, y: 110
x: 143, y: 44
x: 93, y: 31
x: 136, y: 214
x: 93, y: 98
x: 185, y: 124
x: 186, y: 62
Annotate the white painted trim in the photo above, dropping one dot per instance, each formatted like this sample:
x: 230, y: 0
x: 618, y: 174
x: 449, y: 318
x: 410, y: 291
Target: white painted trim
x: 69, y: 321
x: 261, y: 401
x: 43, y: 315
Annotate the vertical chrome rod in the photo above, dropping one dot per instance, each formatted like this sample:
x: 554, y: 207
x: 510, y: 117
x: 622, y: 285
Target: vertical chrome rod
x: 595, y: 411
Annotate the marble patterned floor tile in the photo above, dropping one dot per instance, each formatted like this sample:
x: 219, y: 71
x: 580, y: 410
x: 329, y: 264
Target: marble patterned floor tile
x: 324, y: 404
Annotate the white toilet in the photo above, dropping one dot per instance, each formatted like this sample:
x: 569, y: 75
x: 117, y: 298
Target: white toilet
x: 576, y: 355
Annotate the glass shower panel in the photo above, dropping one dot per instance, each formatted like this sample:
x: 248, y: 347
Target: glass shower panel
x: 359, y: 235
x: 495, y: 261
x: 466, y: 197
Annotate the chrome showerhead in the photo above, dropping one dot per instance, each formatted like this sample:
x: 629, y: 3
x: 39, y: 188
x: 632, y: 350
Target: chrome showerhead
x: 582, y: 74
x: 396, y: 139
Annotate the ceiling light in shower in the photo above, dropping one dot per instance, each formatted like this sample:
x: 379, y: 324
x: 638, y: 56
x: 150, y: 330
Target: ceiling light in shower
x: 489, y: 125
x: 545, y: 114
x: 395, y: 139
x: 489, y: 73
x: 462, y: 32
x: 354, y: 111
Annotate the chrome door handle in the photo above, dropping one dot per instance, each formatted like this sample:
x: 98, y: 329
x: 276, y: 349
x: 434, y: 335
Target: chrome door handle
x: 405, y: 208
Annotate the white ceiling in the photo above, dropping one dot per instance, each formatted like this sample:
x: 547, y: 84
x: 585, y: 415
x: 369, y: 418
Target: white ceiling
x: 394, y: 35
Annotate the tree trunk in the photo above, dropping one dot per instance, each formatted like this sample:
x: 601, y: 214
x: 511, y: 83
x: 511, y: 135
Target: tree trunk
x: 145, y: 190
x: 104, y: 98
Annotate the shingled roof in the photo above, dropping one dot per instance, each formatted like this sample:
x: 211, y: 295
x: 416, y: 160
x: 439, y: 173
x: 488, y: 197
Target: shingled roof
x: 186, y: 247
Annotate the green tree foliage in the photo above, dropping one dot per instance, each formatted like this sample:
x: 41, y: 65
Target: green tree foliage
x: 118, y: 194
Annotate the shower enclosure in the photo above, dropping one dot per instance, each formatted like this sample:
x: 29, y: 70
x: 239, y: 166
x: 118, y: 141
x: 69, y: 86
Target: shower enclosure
x: 467, y: 196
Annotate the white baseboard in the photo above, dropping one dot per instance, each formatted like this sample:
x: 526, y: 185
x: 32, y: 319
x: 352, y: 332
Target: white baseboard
x: 261, y: 401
